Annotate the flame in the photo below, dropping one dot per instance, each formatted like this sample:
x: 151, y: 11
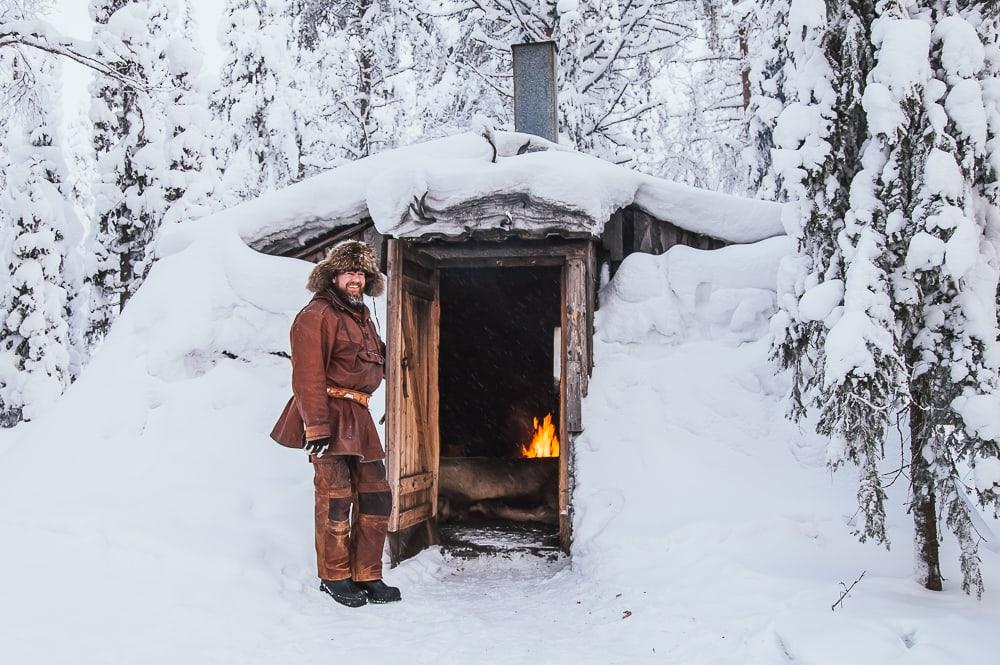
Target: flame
x: 544, y: 443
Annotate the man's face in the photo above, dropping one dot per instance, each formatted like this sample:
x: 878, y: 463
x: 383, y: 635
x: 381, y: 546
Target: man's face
x: 351, y: 284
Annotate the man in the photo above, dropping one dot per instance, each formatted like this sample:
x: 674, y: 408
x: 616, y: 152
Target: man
x: 338, y: 360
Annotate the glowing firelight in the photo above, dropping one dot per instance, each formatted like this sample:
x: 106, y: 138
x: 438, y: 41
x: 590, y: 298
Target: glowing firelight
x: 544, y: 443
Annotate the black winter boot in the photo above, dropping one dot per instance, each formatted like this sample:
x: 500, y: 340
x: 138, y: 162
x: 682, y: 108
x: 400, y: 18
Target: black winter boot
x: 379, y: 592
x: 344, y: 592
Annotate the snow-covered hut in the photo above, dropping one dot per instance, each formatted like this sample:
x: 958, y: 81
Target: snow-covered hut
x: 494, y: 245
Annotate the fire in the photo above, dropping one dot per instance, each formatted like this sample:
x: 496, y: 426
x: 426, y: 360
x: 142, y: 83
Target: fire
x: 544, y: 443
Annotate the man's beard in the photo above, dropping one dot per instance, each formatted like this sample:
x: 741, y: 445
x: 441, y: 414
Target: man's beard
x: 352, y: 301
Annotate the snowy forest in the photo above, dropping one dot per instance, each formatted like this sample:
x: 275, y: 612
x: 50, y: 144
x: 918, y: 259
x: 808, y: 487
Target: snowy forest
x: 875, y: 122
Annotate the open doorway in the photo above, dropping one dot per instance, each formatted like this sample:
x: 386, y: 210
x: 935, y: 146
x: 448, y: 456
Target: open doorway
x: 484, y: 338
x: 499, y: 373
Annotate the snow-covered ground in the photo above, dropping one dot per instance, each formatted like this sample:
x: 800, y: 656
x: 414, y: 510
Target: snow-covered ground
x: 147, y: 518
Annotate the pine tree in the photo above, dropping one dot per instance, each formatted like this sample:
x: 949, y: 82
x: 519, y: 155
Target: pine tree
x: 258, y: 134
x: 817, y: 139
x: 949, y: 282
x: 865, y: 367
x: 129, y: 139
x: 769, y: 36
x: 369, y: 74
x: 192, y: 177
x: 34, y: 333
x: 900, y: 320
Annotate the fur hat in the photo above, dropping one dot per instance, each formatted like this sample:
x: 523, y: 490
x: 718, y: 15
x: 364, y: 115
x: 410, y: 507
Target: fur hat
x: 345, y: 256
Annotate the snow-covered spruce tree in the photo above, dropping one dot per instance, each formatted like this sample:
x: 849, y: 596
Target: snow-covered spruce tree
x: 452, y: 91
x: 609, y: 52
x: 368, y: 72
x: 909, y: 325
x: 817, y: 139
x: 9, y: 90
x: 34, y: 333
x: 864, y: 378
x: 311, y: 22
x: 257, y: 137
x: 192, y: 176
x: 768, y: 36
x: 345, y: 54
x: 110, y: 104
x: 79, y: 156
x: 946, y: 301
x: 129, y: 136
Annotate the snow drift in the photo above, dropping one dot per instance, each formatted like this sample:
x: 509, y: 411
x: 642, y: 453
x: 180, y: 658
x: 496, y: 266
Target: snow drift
x: 148, y: 518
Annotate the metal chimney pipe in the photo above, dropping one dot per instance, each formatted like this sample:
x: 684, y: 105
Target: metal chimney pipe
x: 535, y: 96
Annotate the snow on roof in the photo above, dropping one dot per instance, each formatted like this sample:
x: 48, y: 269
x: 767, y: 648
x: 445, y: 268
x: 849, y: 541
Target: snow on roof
x: 422, y: 190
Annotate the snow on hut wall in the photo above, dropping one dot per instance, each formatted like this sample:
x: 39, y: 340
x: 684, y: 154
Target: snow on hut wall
x: 466, y: 185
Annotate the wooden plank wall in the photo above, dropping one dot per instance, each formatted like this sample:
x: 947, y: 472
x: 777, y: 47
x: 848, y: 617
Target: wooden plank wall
x: 633, y: 230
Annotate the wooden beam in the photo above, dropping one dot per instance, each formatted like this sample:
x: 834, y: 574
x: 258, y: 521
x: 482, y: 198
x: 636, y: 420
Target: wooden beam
x: 317, y: 235
x: 564, y: 436
x: 478, y: 252
x: 413, y: 515
x: 416, y: 483
x: 502, y: 262
x: 577, y: 342
x: 394, y: 398
x: 434, y: 405
x: 578, y: 300
x: 419, y: 289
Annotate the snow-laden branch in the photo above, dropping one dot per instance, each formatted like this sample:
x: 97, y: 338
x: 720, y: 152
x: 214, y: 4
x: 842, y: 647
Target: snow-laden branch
x: 608, y: 120
x: 44, y: 37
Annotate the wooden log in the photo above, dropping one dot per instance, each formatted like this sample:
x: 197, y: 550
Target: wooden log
x: 503, y: 211
x: 470, y: 479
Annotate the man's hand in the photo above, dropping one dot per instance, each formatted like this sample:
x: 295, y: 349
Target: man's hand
x: 317, y: 446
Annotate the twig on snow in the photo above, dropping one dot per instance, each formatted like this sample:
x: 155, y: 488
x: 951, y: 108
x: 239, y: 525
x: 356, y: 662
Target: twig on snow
x: 847, y: 590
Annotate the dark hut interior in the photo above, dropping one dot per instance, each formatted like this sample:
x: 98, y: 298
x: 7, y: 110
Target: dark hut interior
x: 498, y: 378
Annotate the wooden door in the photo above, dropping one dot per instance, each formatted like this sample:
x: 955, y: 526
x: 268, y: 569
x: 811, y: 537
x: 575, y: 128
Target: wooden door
x: 412, y: 402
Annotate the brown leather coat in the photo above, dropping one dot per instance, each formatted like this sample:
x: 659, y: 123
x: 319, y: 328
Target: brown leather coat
x: 332, y: 345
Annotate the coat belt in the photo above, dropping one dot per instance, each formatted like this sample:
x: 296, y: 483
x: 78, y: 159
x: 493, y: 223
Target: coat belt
x: 345, y: 393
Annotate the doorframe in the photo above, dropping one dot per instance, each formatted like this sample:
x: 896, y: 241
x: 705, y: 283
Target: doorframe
x: 578, y: 277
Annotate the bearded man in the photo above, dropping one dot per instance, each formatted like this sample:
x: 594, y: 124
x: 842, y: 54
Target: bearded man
x: 338, y: 360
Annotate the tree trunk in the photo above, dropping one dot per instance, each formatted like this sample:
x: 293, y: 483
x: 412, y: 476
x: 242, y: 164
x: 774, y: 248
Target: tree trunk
x: 926, y: 565
x: 744, y: 62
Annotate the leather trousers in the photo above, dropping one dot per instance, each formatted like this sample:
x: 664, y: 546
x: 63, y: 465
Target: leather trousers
x: 353, y: 502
